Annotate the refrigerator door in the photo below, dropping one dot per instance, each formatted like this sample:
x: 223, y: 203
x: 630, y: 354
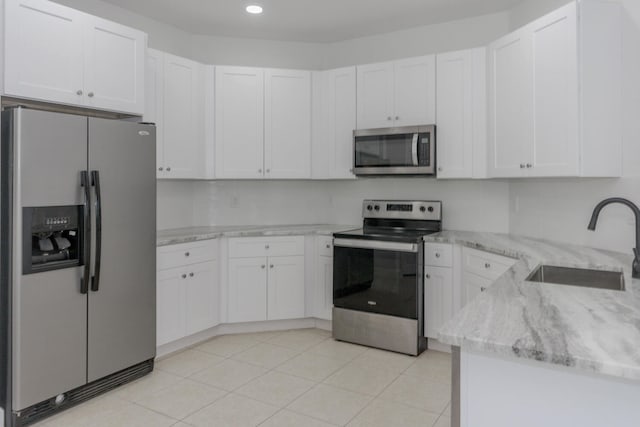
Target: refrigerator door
x: 122, y: 301
x: 49, y: 312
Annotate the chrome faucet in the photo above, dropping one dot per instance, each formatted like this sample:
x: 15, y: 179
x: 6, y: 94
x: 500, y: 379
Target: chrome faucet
x: 635, y: 269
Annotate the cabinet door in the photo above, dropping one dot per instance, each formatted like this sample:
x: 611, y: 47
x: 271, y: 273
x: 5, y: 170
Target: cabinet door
x: 184, y: 150
x: 438, y: 299
x: 171, y: 304
x: 286, y: 288
x: 415, y: 91
x: 455, y: 115
x: 153, y: 102
x: 239, y: 111
x: 555, y: 146
x: 324, y: 288
x: 114, y: 65
x: 287, y: 137
x: 510, y: 104
x: 247, y: 293
x: 375, y: 95
x: 473, y: 285
x: 341, y: 121
x: 202, y: 297
x: 44, y: 51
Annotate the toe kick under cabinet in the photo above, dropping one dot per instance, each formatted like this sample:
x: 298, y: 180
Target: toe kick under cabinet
x: 188, y: 289
x: 266, y: 279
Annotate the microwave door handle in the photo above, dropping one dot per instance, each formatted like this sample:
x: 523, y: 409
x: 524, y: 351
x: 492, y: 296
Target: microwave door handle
x: 414, y: 150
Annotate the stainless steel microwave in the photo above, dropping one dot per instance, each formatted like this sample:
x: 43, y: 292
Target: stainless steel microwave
x: 408, y: 150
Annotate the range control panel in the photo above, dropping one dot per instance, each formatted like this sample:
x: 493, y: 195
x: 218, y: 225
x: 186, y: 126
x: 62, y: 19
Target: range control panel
x: 402, y: 209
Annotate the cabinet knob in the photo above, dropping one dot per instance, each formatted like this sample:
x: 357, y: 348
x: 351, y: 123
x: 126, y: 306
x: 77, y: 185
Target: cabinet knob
x: 482, y: 289
x: 521, y: 165
x: 187, y: 253
x: 389, y: 118
x: 168, y: 169
x: 190, y: 274
x: 328, y: 246
x: 262, y: 266
x: 439, y: 169
x: 427, y: 276
x: 160, y: 168
x: 90, y: 94
x: 184, y: 276
x: 437, y: 255
x: 529, y: 165
x: 259, y: 170
x: 487, y: 265
x: 266, y: 246
x: 268, y: 171
x: 397, y: 117
x: 271, y: 266
x: 79, y: 92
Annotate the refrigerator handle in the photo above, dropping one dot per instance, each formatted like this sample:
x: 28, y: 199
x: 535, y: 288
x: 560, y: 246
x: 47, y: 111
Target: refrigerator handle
x: 84, y: 183
x: 95, y: 182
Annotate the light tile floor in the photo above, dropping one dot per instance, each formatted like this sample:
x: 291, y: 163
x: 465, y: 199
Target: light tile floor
x: 300, y: 378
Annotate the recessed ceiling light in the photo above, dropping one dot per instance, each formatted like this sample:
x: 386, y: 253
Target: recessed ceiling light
x: 254, y: 9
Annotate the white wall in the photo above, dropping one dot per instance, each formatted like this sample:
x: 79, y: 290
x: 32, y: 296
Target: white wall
x: 560, y: 208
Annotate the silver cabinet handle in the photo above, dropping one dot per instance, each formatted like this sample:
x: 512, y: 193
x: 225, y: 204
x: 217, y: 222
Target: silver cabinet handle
x: 328, y: 246
x: 439, y: 169
x: 397, y: 117
x: 271, y: 266
x: 437, y: 255
x: 529, y: 165
x: 259, y: 170
x: 262, y: 266
x: 160, y: 168
x: 487, y: 265
x: 184, y: 276
x: 266, y: 246
x: 90, y: 94
x: 79, y: 92
x: 389, y: 118
x: 482, y: 289
x: 187, y: 253
x: 427, y: 276
x: 521, y: 165
x: 190, y: 274
x: 168, y: 169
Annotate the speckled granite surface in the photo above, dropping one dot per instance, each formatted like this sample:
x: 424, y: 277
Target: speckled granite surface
x: 192, y: 234
x: 592, y: 330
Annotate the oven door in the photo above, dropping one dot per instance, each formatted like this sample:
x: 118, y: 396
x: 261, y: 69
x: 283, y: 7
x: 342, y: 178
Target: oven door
x: 378, y: 277
x: 395, y: 151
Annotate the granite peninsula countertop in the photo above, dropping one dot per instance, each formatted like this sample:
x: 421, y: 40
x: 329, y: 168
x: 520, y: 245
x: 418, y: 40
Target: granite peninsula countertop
x: 192, y: 234
x: 592, y: 330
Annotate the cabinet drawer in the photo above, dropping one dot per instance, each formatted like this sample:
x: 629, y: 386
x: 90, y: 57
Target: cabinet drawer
x: 325, y: 245
x: 247, y: 247
x: 187, y: 253
x: 485, y: 264
x: 438, y: 254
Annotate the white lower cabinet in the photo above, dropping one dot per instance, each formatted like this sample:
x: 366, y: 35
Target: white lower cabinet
x: 474, y: 285
x: 187, y: 291
x: 323, y: 295
x: 438, y: 297
x: 265, y: 287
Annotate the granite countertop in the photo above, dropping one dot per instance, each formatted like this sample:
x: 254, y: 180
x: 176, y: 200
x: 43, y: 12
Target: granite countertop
x: 192, y: 234
x: 592, y: 330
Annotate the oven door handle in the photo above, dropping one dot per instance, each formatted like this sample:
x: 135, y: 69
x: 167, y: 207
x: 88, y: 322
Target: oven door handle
x: 375, y: 244
x: 414, y: 150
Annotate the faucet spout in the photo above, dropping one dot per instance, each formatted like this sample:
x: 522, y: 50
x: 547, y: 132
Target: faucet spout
x: 636, y: 212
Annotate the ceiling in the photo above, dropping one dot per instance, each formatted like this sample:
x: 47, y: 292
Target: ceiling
x: 320, y: 21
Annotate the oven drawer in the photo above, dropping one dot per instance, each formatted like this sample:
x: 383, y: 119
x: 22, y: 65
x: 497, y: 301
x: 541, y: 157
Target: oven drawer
x: 438, y: 254
x: 324, y: 245
x: 485, y: 264
x: 247, y: 247
x: 186, y: 253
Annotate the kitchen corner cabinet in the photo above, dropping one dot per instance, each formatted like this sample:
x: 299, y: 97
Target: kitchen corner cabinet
x: 175, y: 101
x: 263, y: 123
x: 265, y: 279
x: 398, y: 93
x: 95, y: 64
x: 462, y: 114
x: 334, y: 119
x: 555, y: 95
x: 188, y: 290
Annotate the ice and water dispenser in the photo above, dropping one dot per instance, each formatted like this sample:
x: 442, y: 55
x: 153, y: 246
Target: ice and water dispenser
x: 52, y: 238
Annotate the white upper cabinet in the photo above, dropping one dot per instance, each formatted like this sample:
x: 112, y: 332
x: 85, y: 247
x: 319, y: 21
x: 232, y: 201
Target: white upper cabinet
x: 239, y: 113
x: 263, y: 123
x: 400, y: 93
x: 175, y: 101
x: 287, y: 137
x: 96, y: 63
x: 334, y: 120
x: 461, y: 114
x: 555, y: 95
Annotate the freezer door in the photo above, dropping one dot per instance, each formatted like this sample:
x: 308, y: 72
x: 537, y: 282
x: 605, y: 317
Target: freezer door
x: 49, y: 312
x: 122, y: 301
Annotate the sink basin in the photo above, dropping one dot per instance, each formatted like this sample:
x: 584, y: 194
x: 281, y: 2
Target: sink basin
x: 586, y: 278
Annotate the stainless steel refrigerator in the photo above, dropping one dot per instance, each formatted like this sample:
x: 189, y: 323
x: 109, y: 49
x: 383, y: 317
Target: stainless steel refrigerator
x: 77, y: 259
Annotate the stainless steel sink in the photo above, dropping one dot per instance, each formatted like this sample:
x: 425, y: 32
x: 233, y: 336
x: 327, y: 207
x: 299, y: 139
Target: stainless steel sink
x: 613, y: 280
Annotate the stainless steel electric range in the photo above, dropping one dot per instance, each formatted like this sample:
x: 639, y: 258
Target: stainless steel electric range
x: 378, y: 275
